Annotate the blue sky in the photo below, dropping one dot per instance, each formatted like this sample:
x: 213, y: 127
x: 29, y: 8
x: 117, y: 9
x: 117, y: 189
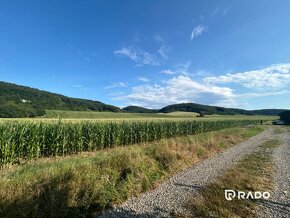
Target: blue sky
x: 150, y: 53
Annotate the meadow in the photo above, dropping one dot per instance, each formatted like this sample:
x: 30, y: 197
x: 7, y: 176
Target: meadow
x: 179, y: 115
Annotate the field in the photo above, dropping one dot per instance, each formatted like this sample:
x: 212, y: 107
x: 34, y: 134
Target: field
x: 85, y: 184
x: 25, y: 139
x: 93, y: 116
x: 81, y: 162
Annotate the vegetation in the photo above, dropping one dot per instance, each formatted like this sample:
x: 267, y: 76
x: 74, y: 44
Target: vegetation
x: 136, y: 109
x: 285, y: 116
x: 251, y: 174
x: 27, y: 140
x: 22, y: 101
x: 82, y: 185
x: 103, y: 115
x: 177, y: 115
x: 208, y: 110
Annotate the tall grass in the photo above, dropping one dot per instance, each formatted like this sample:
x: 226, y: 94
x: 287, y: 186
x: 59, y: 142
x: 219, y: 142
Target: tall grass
x: 27, y: 140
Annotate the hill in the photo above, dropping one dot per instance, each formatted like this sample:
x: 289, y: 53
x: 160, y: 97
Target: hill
x: 23, y: 101
x: 136, y: 109
x: 271, y: 112
x: 204, y: 109
x: 208, y: 110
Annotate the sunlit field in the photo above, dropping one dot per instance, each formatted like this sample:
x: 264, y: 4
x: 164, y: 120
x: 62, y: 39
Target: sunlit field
x: 52, y: 115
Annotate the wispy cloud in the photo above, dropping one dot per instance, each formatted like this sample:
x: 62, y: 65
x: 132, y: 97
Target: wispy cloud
x: 168, y: 72
x: 117, y: 85
x: 142, y: 57
x: 225, y: 11
x: 219, y: 11
x: 143, y: 79
x: 138, y: 55
x: 272, y: 77
x: 78, y: 86
x: 163, y: 51
x: 180, y: 69
x: 197, y: 31
x: 85, y: 55
x: 262, y: 94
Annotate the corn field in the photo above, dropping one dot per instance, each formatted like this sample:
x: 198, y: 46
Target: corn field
x: 28, y: 140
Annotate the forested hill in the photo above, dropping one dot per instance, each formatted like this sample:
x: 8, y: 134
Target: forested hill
x: 22, y: 101
x: 137, y: 109
x: 207, y: 110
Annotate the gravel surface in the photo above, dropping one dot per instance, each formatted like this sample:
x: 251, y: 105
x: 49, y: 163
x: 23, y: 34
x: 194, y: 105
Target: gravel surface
x: 279, y: 203
x: 170, y: 196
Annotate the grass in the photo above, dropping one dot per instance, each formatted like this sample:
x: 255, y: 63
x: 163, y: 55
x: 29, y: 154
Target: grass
x: 81, y: 185
x: 279, y: 130
x: 179, y: 115
x: 253, y: 173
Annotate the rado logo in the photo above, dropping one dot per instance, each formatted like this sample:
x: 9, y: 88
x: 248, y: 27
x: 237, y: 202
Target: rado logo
x: 241, y: 195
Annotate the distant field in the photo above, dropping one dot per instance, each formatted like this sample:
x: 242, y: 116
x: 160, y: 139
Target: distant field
x: 88, y: 115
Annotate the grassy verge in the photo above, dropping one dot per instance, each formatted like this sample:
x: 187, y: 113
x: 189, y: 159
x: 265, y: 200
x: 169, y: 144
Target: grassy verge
x: 252, y: 174
x: 79, y: 186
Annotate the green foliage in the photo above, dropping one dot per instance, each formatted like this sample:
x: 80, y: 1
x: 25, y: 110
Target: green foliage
x: 27, y: 140
x: 209, y: 110
x: 21, y: 101
x: 136, y: 109
x: 285, y: 116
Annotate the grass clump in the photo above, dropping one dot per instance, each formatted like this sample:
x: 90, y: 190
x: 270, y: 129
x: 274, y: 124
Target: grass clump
x: 253, y: 173
x: 84, y: 185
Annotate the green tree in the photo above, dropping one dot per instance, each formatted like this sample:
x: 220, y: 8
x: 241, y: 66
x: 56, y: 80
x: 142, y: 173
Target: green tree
x: 285, y: 116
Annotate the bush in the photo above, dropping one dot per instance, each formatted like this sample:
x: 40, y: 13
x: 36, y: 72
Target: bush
x: 285, y: 116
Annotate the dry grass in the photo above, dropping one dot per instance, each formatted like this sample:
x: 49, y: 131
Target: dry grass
x: 81, y: 185
x: 252, y: 174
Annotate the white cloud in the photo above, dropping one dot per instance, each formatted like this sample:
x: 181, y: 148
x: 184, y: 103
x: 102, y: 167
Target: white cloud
x: 262, y: 94
x: 225, y: 11
x: 138, y: 55
x: 177, y: 90
x: 269, y: 78
x: 78, y: 86
x: 214, y: 12
x: 143, y: 79
x: 168, y: 72
x: 180, y: 69
x: 117, y: 85
x: 197, y: 31
x: 163, y: 51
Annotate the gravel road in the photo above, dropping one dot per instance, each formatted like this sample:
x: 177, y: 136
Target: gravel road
x: 278, y: 206
x: 170, y: 196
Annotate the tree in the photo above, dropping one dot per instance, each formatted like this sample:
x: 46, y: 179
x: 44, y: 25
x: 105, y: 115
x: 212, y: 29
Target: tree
x: 285, y: 116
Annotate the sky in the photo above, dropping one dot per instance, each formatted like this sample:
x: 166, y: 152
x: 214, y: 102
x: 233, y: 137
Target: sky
x: 150, y: 53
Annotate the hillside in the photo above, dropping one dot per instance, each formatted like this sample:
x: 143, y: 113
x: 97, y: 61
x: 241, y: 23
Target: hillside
x: 205, y: 109
x: 137, y: 109
x: 22, y: 101
x: 208, y: 110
